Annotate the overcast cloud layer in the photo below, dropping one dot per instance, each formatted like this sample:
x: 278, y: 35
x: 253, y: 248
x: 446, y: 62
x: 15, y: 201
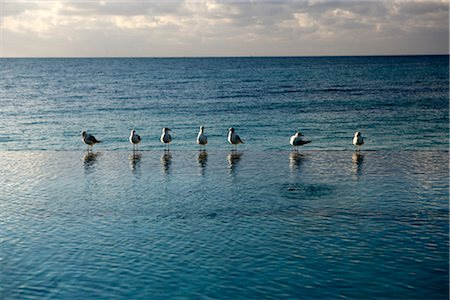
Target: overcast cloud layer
x: 222, y: 28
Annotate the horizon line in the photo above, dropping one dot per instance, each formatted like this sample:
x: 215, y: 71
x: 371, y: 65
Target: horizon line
x: 222, y: 56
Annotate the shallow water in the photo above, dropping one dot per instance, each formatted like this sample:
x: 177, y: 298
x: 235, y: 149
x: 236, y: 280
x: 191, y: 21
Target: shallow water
x: 270, y: 224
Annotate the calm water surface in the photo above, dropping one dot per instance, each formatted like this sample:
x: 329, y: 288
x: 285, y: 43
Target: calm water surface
x: 270, y: 224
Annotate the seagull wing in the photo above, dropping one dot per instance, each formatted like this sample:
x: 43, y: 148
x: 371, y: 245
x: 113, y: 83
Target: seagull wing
x: 93, y: 139
x: 166, y: 138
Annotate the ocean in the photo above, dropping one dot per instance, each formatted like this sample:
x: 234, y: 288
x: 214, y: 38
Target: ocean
x: 260, y: 222
x: 399, y: 103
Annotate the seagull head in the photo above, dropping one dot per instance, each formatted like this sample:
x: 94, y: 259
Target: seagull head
x: 298, y: 133
x: 83, y: 133
x: 165, y: 129
x: 231, y: 129
x: 357, y: 133
x: 202, y: 128
x: 133, y: 131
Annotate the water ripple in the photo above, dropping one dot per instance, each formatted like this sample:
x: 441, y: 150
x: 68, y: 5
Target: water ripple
x: 253, y: 225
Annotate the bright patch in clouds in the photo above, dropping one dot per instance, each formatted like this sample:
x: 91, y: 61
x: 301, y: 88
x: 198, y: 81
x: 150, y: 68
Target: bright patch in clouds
x: 222, y: 28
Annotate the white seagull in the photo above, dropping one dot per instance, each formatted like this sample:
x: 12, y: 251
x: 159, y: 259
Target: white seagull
x: 358, y: 140
x: 166, y: 138
x: 233, y: 138
x: 296, y: 140
x: 135, y: 139
x: 89, y: 139
x: 202, y: 139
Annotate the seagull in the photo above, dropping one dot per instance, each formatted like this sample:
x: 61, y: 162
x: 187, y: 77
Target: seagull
x: 233, y: 138
x: 135, y: 139
x: 296, y: 140
x: 89, y: 139
x: 202, y: 139
x: 358, y: 140
x: 166, y: 138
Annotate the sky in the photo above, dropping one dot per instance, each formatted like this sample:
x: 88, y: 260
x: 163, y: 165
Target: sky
x: 129, y: 28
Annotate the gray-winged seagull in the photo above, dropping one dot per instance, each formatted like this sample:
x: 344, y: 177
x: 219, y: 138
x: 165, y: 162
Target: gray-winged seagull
x: 89, y: 139
x: 233, y: 138
x: 166, y: 138
x: 358, y: 140
x: 202, y: 139
x: 296, y: 140
x: 135, y: 139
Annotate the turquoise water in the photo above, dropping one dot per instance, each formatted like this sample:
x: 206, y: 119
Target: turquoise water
x: 319, y: 224
x: 262, y: 222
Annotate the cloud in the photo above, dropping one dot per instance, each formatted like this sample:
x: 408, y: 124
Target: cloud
x: 421, y: 7
x: 155, y: 28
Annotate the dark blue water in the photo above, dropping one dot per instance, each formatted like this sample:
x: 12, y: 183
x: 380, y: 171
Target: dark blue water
x: 398, y: 102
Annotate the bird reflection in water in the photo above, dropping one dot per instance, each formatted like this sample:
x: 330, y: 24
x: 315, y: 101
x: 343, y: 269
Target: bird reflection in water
x: 358, y: 160
x: 233, y: 158
x: 89, y: 160
x: 202, y: 161
x: 295, y: 160
x: 166, y: 160
x: 135, y: 161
